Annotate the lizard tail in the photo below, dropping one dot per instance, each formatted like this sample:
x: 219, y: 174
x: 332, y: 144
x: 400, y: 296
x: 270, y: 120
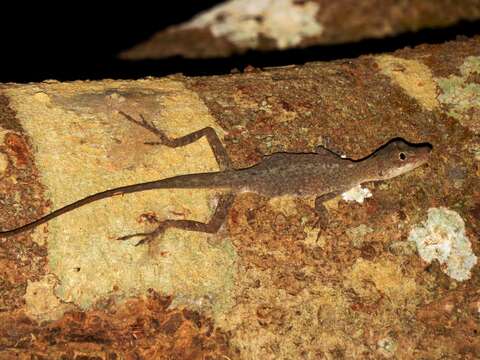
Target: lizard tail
x: 182, y: 181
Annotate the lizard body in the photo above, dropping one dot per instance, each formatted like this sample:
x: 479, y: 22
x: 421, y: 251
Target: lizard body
x: 322, y: 173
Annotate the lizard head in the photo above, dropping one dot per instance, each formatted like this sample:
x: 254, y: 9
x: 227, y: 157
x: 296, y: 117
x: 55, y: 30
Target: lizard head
x: 398, y: 157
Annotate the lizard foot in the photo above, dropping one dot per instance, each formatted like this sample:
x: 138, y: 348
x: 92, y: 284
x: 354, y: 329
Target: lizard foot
x: 145, y: 237
x: 210, y: 227
x: 143, y: 122
x: 322, y: 221
x: 150, y: 126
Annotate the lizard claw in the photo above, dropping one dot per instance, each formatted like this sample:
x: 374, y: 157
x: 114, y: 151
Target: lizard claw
x: 145, y: 238
x: 126, y: 237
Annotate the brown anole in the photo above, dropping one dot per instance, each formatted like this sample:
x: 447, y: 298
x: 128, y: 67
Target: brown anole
x: 322, y: 173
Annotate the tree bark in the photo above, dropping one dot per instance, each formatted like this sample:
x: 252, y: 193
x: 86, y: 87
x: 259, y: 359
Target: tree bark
x: 237, y: 26
x: 271, y: 283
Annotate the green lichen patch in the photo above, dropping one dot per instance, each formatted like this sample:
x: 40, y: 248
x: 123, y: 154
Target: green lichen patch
x: 461, y: 94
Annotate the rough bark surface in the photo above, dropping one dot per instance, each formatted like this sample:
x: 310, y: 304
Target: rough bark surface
x: 272, y: 284
x: 240, y: 25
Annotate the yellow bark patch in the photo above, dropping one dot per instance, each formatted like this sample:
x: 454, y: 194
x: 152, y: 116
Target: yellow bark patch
x: 413, y: 77
x: 373, y: 280
x: 83, y: 146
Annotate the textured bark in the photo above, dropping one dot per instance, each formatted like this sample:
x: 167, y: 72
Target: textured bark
x: 240, y: 25
x: 272, y: 283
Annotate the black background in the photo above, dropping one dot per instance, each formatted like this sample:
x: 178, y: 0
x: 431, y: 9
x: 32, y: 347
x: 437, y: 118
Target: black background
x: 81, y: 40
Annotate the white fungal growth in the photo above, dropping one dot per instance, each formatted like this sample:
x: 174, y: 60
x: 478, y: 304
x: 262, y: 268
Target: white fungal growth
x: 357, y: 194
x: 244, y: 21
x: 442, y: 237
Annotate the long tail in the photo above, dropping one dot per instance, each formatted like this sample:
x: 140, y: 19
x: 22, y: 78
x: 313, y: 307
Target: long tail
x: 182, y: 181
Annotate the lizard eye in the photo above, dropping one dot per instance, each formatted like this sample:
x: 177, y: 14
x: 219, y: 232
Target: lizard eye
x: 402, y: 156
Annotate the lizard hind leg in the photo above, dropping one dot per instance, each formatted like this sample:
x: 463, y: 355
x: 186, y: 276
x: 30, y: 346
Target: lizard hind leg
x: 210, y: 227
x: 215, y: 143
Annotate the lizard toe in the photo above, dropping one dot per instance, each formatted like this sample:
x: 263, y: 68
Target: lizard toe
x: 126, y: 237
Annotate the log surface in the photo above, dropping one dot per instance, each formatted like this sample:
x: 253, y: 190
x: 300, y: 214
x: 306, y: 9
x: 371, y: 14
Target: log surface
x: 272, y: 283
x: 236, y: 26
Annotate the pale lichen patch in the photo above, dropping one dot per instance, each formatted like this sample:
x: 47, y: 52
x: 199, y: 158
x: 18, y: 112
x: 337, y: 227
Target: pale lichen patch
x: 415, y: 78
x: 442, y: 237
x: 462, y: 95
x: 387, y: 347
x: 41, y: 303
x: 243, y: 22
x: 359, y: 235
x: 357, y: 194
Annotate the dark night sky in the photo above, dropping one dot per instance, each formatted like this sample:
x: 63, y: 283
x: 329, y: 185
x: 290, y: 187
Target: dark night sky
x: 78, y: 41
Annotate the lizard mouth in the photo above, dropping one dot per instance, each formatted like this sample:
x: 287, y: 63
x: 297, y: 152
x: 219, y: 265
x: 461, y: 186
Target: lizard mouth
x: 418, y: 157
x: 422, y: 153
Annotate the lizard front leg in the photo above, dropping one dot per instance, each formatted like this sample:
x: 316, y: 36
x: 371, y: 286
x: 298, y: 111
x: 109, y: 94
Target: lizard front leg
x: 211, y: 227
x: 319, y: 200
x: 215, y: 143
x: 321, y: 210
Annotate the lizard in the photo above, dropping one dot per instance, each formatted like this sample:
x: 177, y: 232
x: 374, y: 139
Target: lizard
x: 322, y: 173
